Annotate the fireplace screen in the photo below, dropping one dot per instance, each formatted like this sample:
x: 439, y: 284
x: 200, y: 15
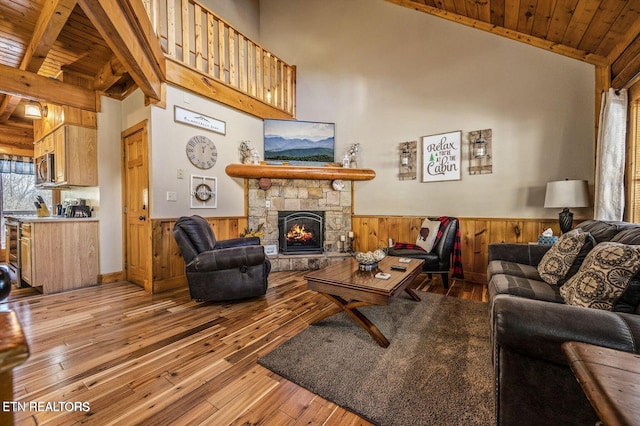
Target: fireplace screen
x: 300, y: 232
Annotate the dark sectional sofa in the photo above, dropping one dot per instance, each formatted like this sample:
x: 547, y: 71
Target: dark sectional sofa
x: 530, y: 321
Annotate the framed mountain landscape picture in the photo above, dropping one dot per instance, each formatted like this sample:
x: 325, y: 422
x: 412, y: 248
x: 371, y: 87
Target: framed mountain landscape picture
x: 299, y: 142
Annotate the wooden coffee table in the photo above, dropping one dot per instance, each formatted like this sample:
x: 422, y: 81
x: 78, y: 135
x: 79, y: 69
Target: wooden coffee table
x: 349, y: 288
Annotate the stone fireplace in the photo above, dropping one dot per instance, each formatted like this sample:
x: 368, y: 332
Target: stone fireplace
x: 301, y: 195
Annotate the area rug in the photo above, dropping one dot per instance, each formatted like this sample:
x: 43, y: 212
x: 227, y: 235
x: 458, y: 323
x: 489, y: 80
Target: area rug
x: 436, y: 370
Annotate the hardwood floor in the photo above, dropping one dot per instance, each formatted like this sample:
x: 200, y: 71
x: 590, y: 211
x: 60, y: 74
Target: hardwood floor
x: 128, y: 357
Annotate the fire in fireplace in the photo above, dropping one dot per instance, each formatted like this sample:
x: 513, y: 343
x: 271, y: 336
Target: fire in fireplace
x: 301, y: 232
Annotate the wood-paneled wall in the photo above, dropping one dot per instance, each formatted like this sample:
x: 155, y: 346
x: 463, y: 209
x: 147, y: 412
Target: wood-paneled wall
x: 168, y: 265
x: 372, y: 232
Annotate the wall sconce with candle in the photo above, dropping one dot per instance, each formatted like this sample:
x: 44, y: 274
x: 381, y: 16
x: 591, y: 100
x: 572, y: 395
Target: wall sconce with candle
x: 408, y: 160
x: 480, y: 152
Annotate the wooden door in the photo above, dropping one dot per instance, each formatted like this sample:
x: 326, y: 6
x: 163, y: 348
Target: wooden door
x: 136, y: 206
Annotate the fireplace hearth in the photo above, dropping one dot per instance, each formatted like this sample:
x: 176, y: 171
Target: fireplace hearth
x: 301, y: 232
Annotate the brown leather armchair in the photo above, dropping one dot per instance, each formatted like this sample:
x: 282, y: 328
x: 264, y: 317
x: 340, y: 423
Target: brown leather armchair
x: 220, y: 270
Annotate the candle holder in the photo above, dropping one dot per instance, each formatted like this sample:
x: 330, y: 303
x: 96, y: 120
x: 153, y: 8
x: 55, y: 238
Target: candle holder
x: 349, y: 242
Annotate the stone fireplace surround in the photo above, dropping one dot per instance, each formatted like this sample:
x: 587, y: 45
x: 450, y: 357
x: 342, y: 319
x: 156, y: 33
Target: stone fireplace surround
x: 297, y: 195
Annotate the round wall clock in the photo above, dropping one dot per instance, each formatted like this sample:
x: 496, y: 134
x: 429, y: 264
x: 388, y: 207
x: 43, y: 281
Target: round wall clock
x: 202, y: 152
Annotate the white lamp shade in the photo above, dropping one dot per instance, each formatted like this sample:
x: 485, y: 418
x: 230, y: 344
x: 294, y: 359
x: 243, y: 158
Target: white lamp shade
x: 567, y: 194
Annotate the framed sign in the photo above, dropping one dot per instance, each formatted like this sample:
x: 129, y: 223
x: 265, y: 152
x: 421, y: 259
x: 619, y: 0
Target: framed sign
x: 196, y: 119
x: 441, y: 156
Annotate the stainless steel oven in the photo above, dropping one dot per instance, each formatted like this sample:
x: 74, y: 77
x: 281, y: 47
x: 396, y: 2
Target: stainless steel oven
x: 12, y: 228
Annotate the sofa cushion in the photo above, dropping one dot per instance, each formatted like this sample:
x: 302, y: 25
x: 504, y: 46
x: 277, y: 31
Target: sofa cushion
x: 600, y: 230
x: 628, y: 236
x: 604, y: 277
x: 428, y: 233
x: 523, y: 287
x: 512, y: 268
x: 565, y: 256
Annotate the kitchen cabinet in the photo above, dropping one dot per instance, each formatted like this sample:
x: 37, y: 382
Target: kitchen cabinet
x: 58, y: 115
x: 59, y: 254
x: 25, y: 253
x: 43, y: 146
x: 75, y: 153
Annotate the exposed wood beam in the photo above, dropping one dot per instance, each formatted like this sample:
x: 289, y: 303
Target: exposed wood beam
x: 123, y: 33
x: 50, y: 22
x: 32, y: 86
x: 8, y: 106
x: 504, y: 32
x: 52, y: 19
x: 109, y: 75
x: 199, y: 83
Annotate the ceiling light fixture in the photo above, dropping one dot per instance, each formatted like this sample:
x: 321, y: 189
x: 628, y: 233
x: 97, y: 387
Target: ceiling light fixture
x: 35, y: 110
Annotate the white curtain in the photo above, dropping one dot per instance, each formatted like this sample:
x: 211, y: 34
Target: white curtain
x: 609, y: 185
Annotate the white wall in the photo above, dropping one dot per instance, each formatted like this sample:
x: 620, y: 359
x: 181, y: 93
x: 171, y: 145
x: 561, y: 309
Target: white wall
x: 243, y: 15
x: 109, y: 177
x: 387, y: 74
x: 168, y: 154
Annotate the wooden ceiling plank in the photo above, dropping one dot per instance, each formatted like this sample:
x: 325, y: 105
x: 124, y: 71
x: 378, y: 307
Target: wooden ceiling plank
x: 461, y: 7
x: 472, y: 9
x: 527, y: 15
x: 632, y: 14
x: 623, y: 64
x: 16, y: 131
x: 582, y: 15
x: 542, y: 19
x: 504, y: 32
x: 497, y: 12
x: 484, y: 10
x: 601, y: 23
x: 562, y: 15
x: 44, y: 89
x: 511, y: 12
x: 113, y: 23
x: 629, y: 74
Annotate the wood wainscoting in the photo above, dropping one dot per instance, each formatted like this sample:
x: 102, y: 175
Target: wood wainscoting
x: 168, y: 265
x: 373, y: 232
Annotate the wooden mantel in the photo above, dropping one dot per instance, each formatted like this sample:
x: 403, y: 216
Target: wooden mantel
x: 297, y: 172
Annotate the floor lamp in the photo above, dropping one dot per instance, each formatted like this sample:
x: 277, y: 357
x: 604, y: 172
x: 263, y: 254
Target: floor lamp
x: 566, y: 194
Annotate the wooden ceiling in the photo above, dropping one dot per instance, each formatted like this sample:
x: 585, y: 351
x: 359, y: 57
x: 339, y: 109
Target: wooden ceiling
x: 600, y: 32
x: 53, y: 38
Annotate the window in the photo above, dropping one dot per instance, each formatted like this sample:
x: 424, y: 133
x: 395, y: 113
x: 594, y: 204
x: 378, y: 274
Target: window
x: 17, y: 186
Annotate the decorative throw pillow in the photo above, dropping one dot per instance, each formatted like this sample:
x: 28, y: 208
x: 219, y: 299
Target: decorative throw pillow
x: 557, y: 261
x: 603, y: 277
x: 428, y: 234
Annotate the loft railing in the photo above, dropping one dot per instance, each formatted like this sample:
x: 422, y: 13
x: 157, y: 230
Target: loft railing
x: 196, y: 37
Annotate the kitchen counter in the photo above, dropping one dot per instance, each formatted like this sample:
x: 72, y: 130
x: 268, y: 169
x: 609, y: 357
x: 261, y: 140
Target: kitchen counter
x: 27, y: 218
x: 58, y: 253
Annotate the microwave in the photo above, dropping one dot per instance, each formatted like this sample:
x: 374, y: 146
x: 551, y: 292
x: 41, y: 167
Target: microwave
x: 44, y: 172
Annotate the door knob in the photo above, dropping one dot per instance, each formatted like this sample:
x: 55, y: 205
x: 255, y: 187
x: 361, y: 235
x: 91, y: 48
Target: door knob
x: 142, y: 218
